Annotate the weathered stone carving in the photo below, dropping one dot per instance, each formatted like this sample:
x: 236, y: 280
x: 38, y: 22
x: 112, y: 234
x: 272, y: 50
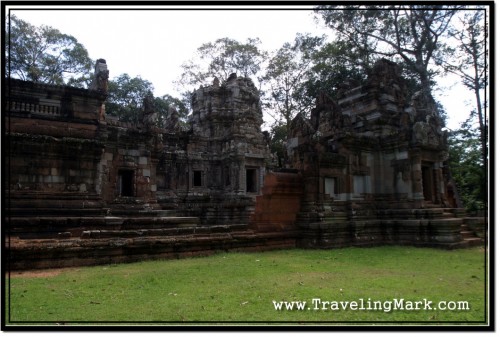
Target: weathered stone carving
x: 370, y: 152
x: 149, y: 114
x: 172, y: 122
x: 101, y: 75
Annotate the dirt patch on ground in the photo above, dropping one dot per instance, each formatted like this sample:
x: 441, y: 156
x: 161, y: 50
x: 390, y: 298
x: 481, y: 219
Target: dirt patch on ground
x: 37, y: 273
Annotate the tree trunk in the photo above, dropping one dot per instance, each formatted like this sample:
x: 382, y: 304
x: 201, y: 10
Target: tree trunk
x: 482, y: 128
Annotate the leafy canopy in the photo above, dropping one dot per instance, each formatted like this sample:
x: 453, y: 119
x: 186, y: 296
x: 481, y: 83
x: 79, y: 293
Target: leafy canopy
x: 412, y: 34
x: 126, y: 100
x: 288, y: 69
x: 221, y: 58
x: 44, y: 54
x: 125, y: 97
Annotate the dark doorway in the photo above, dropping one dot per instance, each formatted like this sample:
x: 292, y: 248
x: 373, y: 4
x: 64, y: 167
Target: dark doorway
x: 427, y: 182
x: 126, y: 183
x: 197, y: 179
x: 252, y: 180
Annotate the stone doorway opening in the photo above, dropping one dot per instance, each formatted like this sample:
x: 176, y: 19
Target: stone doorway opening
x: 126, y: 183
x: 252, y: 180
x: 197, y: 178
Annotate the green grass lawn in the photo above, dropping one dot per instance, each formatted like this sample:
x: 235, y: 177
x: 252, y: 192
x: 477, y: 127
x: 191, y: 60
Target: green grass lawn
x: 241, y: 287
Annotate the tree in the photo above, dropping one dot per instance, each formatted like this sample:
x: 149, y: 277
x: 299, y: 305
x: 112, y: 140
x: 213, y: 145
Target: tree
x: 279, y: 136
x: 125, y: 97
x: 44, y: 54
x: 466, y: 166
x: 220, y: 59
x: 285, y: 77
x: 286, y: 91
x: 334, y: 65
x: 412, y: 33
x: 470, y: 64
x: 163, y: 106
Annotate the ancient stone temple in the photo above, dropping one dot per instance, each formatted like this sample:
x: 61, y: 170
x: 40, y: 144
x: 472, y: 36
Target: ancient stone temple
x: 216, y: 169
x: 374, y: 166
x: 85, y: 188
x: 369, y: 168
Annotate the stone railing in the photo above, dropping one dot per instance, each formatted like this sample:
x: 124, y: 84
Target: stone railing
x: 28, y: 107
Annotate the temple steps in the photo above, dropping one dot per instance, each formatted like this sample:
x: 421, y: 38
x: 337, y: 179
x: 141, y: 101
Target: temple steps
x: 58, y: 236
x: 36, y: 254
x: 187, y: 229
x: 466, y: 232
x: 57, y: 227
x: 55, y: 241
x: 74, y: 241
x: 472, y: 232
x: 432, y: 227
x: 55, y: 212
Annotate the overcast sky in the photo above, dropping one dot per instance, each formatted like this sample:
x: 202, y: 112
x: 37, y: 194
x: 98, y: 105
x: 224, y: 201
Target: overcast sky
x: 153, y: 42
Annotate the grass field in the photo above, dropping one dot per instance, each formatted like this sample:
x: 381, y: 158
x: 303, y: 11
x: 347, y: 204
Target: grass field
x: 241, y: 287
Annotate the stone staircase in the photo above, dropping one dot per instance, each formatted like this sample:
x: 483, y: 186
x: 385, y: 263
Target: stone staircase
x: 35, y: 203
x: 52, y: 241
x: 67, y: 235
x: 348, y: 224
x: 468, y: 236
x: 473, y: 232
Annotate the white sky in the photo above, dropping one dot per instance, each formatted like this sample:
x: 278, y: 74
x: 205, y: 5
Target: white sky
x: 153, y: 43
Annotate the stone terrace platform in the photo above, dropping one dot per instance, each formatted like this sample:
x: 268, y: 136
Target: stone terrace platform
x: 54, y: 238
x: 447, y: 228
x: 53, y: 242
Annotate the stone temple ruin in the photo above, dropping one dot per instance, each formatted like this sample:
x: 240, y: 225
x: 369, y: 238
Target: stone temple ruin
x: 367, y: 168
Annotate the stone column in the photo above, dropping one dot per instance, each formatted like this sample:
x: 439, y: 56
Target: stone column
x: 438, y: 182
x: 416, y: 176
x: 238, y: 176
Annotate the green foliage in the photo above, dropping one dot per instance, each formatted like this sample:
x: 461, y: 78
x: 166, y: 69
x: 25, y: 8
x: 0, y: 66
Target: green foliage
x: 126, y: 100
x: 163, y: 106
x: 286, y: 76
x: 467, y: 166
x: 44, y: 54
x: 411, y: 33
x: 241, y: 287
x: 469, y: 61
x: 279, y: 136
x: 471, y: 66
x: 334, y: 65
x: 125, y: 97
x: 220, y: 59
